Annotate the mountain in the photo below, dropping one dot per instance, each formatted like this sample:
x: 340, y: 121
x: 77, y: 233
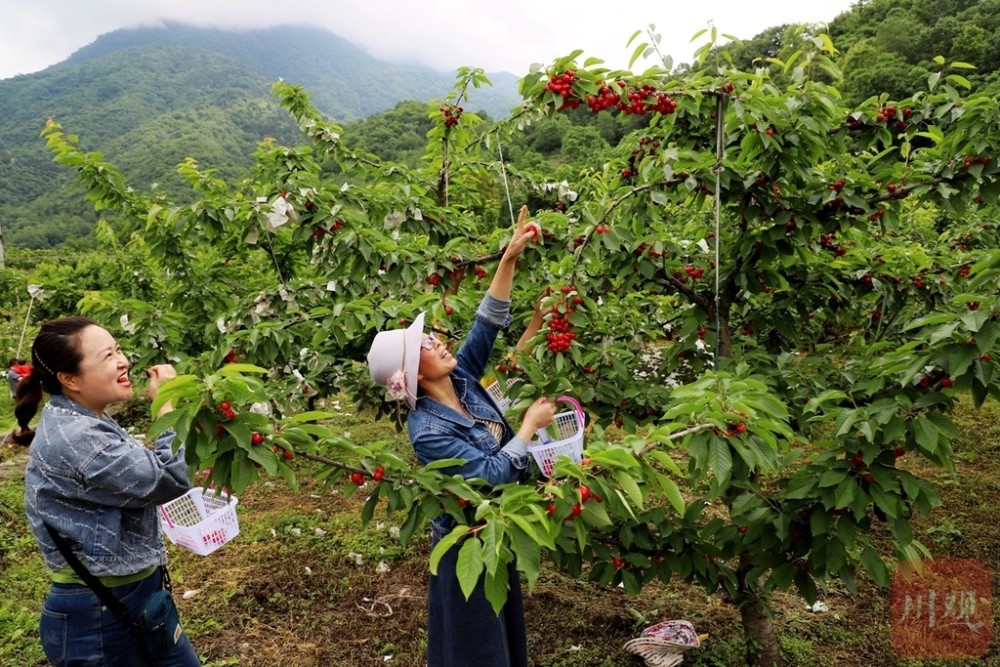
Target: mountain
x: 147, y: 98
x: 344, y: 81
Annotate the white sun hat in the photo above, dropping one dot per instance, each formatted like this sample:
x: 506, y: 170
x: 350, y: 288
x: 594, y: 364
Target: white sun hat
x: 394, y: 360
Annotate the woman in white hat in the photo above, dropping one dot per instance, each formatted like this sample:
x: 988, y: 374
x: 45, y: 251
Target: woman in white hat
x: 452, y: 416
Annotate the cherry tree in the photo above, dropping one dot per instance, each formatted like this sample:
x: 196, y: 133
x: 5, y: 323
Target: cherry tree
x: 776, y: 299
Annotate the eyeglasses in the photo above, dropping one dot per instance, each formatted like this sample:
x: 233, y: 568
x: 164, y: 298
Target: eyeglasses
x: 428, y: 342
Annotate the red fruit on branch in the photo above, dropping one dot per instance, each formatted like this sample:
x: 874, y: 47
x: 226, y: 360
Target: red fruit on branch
x: 618, y: 563
x: 550, y: 509
x: 225, y: 406
x: 357, y: 478
x: 584, y: 492
x: 287, y: 453
x: 256, y: 438
x: 378, y: 474
x: 742, y: 529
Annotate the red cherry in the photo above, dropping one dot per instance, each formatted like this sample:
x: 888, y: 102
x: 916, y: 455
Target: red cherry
x: 618, y: 563
x: 584, y: 492
x: 220, y: 430
x: 378, y: 474
x: 357, y: 478
x: 256, y: 438
x: 551, y: 509
x: 225, y: 406
x: 741, y: 428
x: 743, y: 530
x: 287, y: 453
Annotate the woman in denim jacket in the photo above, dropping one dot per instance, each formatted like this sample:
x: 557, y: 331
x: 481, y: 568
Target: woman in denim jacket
x: 452, y: 416
x: 97, y: 487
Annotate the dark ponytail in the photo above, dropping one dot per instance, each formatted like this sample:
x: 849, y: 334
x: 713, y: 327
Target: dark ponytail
x: 56, y: 349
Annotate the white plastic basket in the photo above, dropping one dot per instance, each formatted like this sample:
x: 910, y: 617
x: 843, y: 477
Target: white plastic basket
x: 564, y: 436
x: 200, y: 522
x: 498, y: 393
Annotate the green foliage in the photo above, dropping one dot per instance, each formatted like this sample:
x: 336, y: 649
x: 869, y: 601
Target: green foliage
x: 786, y: 313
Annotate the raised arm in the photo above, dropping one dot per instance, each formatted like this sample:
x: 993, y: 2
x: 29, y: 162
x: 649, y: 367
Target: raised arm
x: 537, y: 318
x: 524, y: 232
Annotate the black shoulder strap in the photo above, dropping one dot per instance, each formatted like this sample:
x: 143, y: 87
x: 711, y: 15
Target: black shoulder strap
x: 102, y: 592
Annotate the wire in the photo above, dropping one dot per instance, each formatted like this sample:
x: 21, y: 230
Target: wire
x: 720, y: 136
x: 506, y: 186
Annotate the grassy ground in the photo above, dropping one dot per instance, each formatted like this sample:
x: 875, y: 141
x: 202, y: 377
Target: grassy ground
x: 305, y: 584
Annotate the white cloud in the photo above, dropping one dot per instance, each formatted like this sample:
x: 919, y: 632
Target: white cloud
x: 443, y: 34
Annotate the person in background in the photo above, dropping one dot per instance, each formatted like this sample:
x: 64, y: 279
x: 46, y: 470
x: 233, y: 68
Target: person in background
x: 13, y: 377
x: 97, y: 487
x: 452, y: 416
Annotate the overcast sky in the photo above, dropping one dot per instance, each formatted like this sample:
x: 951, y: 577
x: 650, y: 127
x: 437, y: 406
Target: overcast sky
x: 504, y: 35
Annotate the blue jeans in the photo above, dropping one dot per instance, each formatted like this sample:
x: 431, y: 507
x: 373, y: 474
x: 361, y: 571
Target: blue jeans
x: 78, y: 631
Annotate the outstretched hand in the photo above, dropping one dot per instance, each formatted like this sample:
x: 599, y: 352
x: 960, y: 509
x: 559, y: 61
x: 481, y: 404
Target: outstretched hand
x: 525, y: 232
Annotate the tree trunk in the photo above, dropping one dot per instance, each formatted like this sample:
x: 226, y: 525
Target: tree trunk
x: 763, y: 649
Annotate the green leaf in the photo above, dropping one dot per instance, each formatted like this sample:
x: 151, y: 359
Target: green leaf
x: 445, y: 543
x: 496, y: 587
x: 875, y: 566
x: 470, y: 565
x: 528, y: 554
x: 629, y: 485
x: 721, y: 461
x: 312, y: 415
x: 672, y: 492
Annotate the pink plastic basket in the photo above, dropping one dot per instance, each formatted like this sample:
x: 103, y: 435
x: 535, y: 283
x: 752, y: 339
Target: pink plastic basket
x: 563, y: 437
x: 200, y: 522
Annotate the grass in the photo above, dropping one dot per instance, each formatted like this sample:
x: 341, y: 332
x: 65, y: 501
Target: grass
x: 306, y: 584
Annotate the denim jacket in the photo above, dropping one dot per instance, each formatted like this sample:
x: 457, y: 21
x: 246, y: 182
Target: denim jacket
x: 99, y: 487
x: 439, y: 432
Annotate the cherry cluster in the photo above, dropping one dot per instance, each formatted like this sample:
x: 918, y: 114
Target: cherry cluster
x: 635, y: 101
x: 226, y: 408
x: 562, y: 84
x: 829, y: 241
x: 452, y: 113
x: 648, y: 249
x: 937, y: 377
x: 694, y: 272
x: 561, y: 334
x: 337, y: 225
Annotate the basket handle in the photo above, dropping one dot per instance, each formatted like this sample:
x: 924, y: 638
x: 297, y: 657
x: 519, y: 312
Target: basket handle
x: 576, y: 405
x: 166, y: 517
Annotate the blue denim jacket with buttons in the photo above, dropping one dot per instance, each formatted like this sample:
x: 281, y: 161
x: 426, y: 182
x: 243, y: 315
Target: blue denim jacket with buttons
x: 439, y: 432
x: 99, y: 487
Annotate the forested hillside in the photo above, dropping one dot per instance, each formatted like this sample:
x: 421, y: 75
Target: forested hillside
x: 150, y: 97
